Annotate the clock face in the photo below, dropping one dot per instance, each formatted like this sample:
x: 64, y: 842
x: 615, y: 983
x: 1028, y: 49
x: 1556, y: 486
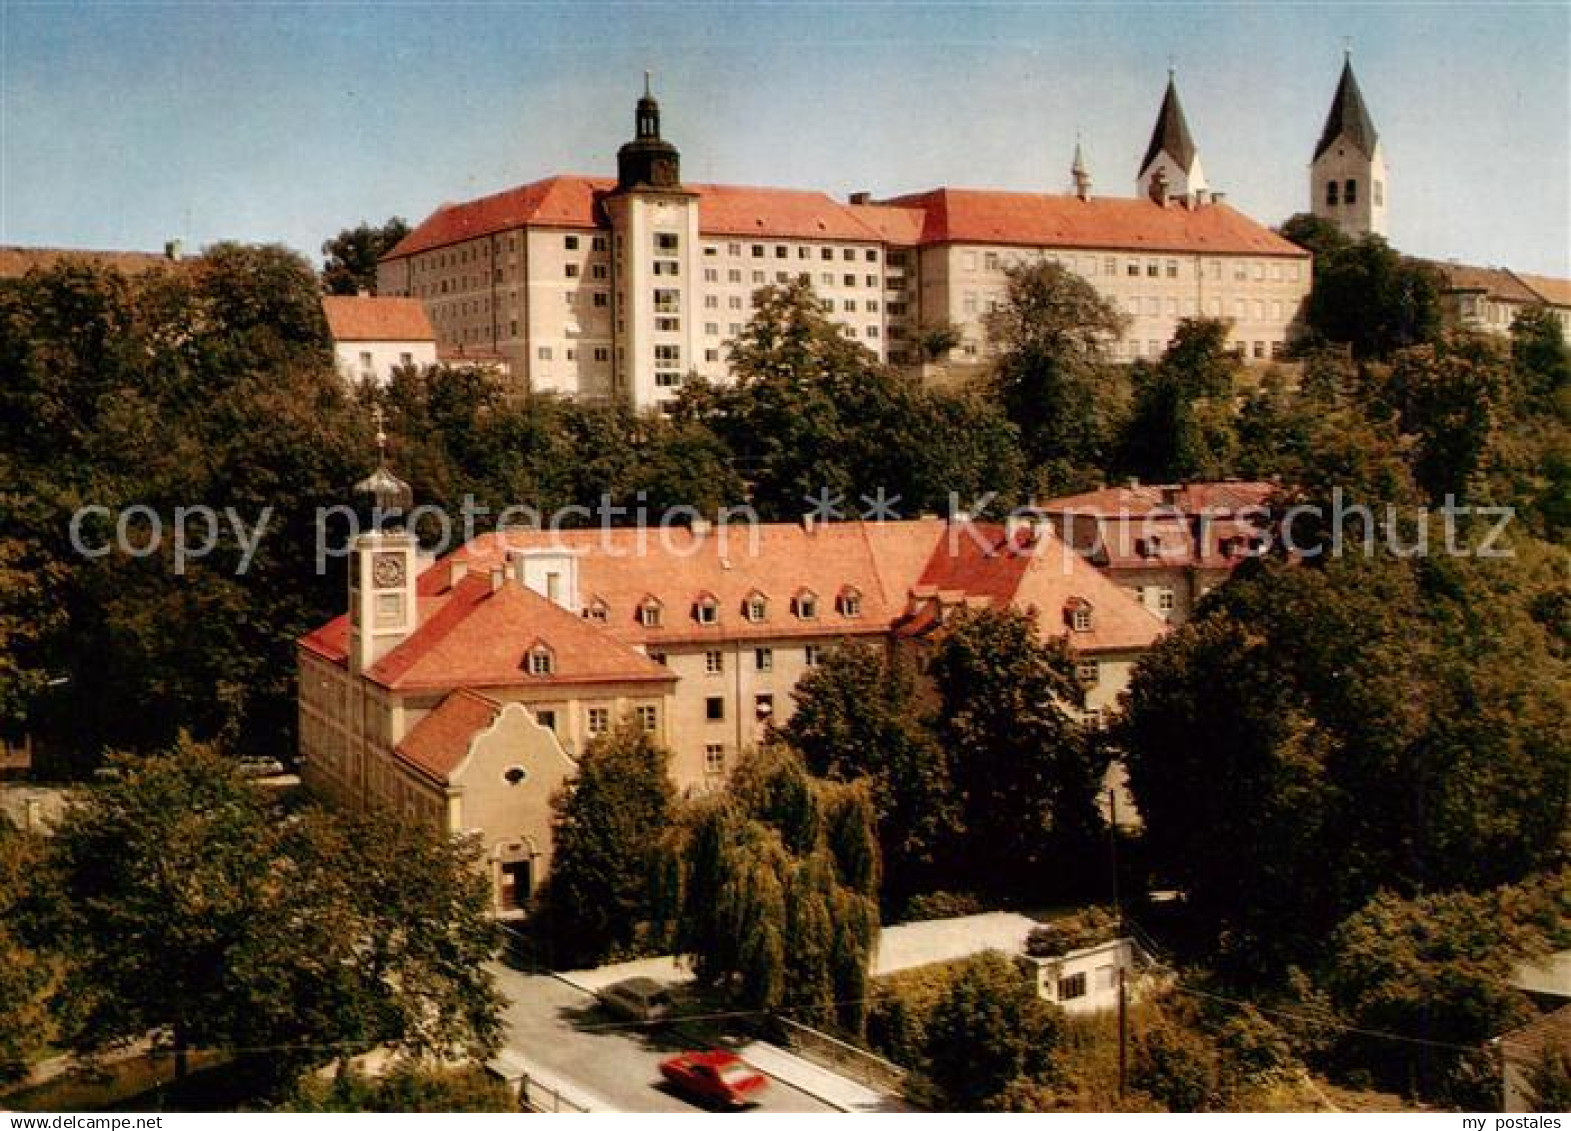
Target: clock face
x: 388, y: 570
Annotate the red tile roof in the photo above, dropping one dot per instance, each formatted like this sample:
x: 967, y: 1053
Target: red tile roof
x: 944, y: 215
x: 439, y: 742
x: 1496, y: 282
x: 1555, y: 292
x: 1112, y: 223
x: 479, y: 638
x: 359, y: 318
x: 1184, y: 498
x: 1036, y: 572
x: 574, y: 202
x: 899, y: 226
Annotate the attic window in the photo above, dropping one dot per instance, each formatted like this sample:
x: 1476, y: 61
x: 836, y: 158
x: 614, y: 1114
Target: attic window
x: 1080, y: 616
x: 806, y: 605
x: 850, y: 602
x: 706, y: 610
x: 756, y: 607
x: 649, y: 613
x: 515, y: 775
x: 596, y: 611
x: 541, y: 660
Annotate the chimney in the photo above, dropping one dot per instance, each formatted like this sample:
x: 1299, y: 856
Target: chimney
x: 700, y: 527
x: 861, y: 198
x: 361, y: 292
x: 457, y: 570
x: 498, y: 577
x: 810, y: 523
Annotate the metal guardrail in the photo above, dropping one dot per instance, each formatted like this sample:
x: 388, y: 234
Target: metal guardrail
x: 838, y: 1056
x: 538, y: 1097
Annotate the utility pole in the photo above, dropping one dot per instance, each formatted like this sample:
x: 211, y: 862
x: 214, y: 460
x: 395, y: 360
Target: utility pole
x: 1123, y: 1038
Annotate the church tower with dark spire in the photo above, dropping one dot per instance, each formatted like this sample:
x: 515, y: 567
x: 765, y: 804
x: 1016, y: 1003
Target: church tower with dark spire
x: 648, y: 161
x: 655, y: 248
x: 1347, y: 178
x: 1171, y: 168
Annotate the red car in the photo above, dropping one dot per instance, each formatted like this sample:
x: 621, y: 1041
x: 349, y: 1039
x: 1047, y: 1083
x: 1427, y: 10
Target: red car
x: 716, y: 1076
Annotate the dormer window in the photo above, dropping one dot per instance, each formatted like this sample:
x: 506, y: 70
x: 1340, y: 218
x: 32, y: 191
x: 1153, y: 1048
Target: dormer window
x: 805, y: 605
x: 706, y: 610
x: 597, y: 611
x: 756, y: 607
x: 1078, y: 614
x: 850, y: 602
x: 649, y: 613
x: 540, y: 660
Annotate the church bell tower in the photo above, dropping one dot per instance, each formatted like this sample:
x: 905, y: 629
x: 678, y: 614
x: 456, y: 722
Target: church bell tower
x: 1347, y: 178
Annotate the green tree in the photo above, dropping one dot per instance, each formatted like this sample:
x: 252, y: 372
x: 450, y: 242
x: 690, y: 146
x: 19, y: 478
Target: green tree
x: 1379, y: 729
x: 811, y: 410
x: 30, y: 970
x: 1027, y: 773
x: 1438, y: 969
x: 1182, y: 423
x: 857, y: 716
x: 1053, y: 376
x: 1450, y: 398
x: 989, y: 1029
x: 190, y: 909
x: 351, y: 256
x: 605, y: 827
x: 1538, y: 350
x: 1369, y: 298
x: 771, y: 889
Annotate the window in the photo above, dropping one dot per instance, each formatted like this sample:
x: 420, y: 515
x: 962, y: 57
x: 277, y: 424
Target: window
x: 572, y: 270
x: 601, y: 299
x: 756, y: 607
x: 1350, y: 192
x: 660, y: 658
x: 1331, y: 193
x: 712, y: 329
x: 850, y: 602
x: 714, y: 662
x: 848, y: 280
x: 1078, y: 614
x: 545, y: 353
x: 812, y: 655
x: 541, y: 661
x: 1380, y: 199
x: 764, y: 659
x: 1088, y: 673
x: 706, y: 611
x: 546, y: 719
x: 714, y: 708
x: 714, y: 758
x: 365, y: 363
x: 806, y: 606
x: 649, y: 614
x: 1133, y: 270
x: 570, y: 242
x: 667, y: 267
x: 711, y: 274
x: 733, y: 276
x: 666, y: 243
x: 1153, y: 269
x: 1165, y: 600
x: 758, y: 251
x: 990, y: 261
x: 597, y: 720
x: 1071, y: 987
x: 595, y: 244
x: 648, y: 717
x: 596, y: 611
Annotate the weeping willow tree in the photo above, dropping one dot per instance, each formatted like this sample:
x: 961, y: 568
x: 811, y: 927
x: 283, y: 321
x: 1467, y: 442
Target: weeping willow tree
x: 770, y: 890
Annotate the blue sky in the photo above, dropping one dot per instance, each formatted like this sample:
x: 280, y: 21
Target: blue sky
x: 123, y: 125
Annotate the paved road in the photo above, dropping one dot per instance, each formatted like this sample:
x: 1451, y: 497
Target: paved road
x: 560, y: 1028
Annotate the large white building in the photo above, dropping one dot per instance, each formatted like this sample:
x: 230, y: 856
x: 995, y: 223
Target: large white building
x: 623, y: 289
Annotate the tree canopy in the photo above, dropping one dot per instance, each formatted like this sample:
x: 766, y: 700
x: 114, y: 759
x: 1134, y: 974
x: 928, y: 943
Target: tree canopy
x: 771, y: 889
x: 351, y: 256
x: 189, y: 907
x: 605, y: 832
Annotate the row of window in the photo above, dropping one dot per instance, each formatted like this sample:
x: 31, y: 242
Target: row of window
x: 783, y: 251
x: 1349, y: 192
x: 1242, y: 270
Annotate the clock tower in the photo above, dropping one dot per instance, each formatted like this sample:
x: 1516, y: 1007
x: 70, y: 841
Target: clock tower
x: 382, y: 566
